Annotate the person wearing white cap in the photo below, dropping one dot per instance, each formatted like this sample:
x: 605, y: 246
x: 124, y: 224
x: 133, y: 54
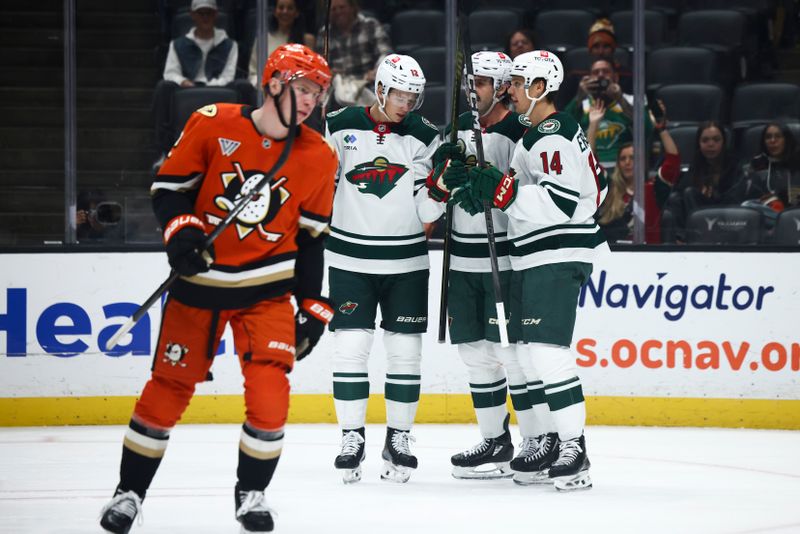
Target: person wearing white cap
x: 205, y: 56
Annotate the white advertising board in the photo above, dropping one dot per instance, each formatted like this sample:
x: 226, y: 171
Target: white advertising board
x: 655, y: 324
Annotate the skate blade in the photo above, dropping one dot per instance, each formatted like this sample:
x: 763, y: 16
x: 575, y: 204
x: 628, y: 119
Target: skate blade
x: 577, y: 482
x: 351, y: 476
x: 395, y: 473
x: 495, y: 471
x: 245, y: 531
x: 533, y: 478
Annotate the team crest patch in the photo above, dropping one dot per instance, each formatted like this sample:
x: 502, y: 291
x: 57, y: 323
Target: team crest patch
x: 549, y: 126
x: 174, y: 353
x: 261, y: 210
x: 348, y: 307
x: 228, y: 146
x: 524, y: 120
x: 377, y: 177
x: 332, y: 114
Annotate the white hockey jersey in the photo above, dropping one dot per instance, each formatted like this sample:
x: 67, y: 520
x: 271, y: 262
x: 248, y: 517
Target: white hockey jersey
x: 381, y: 201
x: 469, y: 251
x: 561, y: 186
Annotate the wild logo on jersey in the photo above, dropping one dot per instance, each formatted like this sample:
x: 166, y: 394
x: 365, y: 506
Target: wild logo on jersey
x: 259, y: 211
x: 377, y: 177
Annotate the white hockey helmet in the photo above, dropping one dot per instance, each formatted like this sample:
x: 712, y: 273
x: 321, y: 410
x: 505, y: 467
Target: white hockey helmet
x: 494, y: 65
x: 539, y: 64
x: 400, y: 72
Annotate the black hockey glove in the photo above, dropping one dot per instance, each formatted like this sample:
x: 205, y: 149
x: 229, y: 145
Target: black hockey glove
x: 309, y: 324
x: 184, y: 238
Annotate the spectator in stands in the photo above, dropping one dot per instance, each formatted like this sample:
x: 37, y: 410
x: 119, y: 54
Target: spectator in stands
x: 286, y: 25
x: 710, y: 180
x: 357, y: 43
x: 602, y: 41
x: 205, y: 56
x: 520, y: 41
x: 616, y: 212
x: 615, y: 128
x: 773, y: 176
x: 97, y: 219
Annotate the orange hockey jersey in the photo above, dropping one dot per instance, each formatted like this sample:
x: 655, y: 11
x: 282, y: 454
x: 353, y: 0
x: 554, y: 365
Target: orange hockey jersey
x: 220, y: 157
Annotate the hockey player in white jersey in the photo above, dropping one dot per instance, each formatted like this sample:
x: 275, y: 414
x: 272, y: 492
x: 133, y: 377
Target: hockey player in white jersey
x: 493, y: 370
x: 377, y: 256
x: 550, y: 196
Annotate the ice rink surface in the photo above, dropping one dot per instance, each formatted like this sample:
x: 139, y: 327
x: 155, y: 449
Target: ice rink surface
x: 646, y: 480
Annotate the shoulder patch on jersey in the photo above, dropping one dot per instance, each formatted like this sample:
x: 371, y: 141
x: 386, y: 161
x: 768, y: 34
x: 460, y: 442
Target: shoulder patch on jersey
x: 549, y: 126
x: 429, y: 124
x: 209, y: 110
x: 228, y: 146
x: 334, y: 113
x: 525, y: 121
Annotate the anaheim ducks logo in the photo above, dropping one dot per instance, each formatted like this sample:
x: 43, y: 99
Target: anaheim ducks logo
x: 261, y: 210
x: 377, y: 177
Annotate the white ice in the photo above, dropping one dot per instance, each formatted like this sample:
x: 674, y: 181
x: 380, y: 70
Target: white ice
x: 646, y: 480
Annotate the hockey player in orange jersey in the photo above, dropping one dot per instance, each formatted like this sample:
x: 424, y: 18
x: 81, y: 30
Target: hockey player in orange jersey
x: 272, y: 250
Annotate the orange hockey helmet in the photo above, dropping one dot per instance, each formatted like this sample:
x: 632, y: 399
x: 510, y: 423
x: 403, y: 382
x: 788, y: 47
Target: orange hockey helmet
x: 294, y: 61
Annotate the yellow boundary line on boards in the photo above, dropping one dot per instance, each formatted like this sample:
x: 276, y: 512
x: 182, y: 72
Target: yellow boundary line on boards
x: 433, y: 408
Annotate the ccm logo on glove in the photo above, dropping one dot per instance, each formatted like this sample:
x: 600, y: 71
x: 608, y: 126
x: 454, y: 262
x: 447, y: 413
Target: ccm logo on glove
x: 505, y: 192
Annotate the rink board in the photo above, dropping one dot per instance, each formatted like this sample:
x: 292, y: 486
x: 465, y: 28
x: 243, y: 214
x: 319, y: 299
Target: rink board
x: 669, y: 339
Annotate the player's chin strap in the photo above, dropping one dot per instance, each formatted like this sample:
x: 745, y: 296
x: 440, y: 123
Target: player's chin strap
x: 382, y: 105
x: 495, y: 100
x: 534, y: 101
x: 276, y: 100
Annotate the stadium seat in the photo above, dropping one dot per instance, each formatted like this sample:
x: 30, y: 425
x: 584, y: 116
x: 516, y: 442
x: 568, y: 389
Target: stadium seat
x: 655, y: 28
x: 561, y: 30
x: 579, y: 61
x: 718, y: 29
x: 761, y: 102
x: 595, y: 7
x: 488, y: 30
x: 691, y: 104
x: 724, y: 32
x: 434, y: 104
x: 433, y: 60
x: 728, y: 225
x: 182, y: 23
x: 416, y: 28
x: 681, y: 64
x: 750, y: 141
x: 787, y: 228
x: 186, y: 101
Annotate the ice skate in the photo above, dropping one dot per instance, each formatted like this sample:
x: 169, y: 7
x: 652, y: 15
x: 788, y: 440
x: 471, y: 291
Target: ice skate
x: 252, y: 511
x: 351, y: 457
x: 570, y: 471
x: 533, y: 462
x: 118, y: 515
x: 398, y: 460
x: 487, y: 460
